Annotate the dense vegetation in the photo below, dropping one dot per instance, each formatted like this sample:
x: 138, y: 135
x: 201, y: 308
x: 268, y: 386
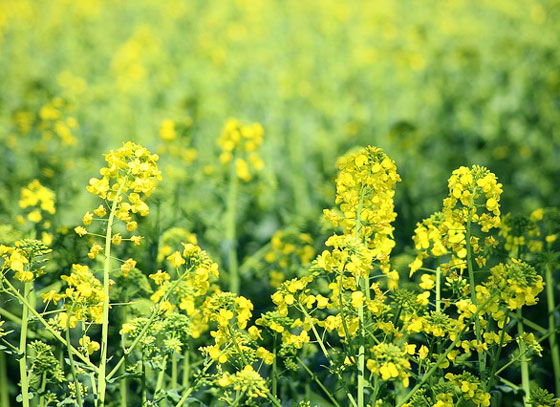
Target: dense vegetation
x: 243, y: 242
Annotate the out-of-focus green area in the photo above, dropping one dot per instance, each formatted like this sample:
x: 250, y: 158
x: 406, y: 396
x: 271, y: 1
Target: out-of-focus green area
x: 436, y: 84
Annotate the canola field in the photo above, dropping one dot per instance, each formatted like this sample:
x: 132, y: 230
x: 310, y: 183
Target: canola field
x: 279, y: 203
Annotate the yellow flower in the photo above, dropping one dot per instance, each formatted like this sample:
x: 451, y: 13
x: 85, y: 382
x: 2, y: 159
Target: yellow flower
x: 127, y: 266
x: 160, y: 277
x: 80, y: 230
x: 88, y: 218
x: 89, y: 345
x: 116, y: 239
x: 176, y: 259
x: 167, y: 130
x: 423, y: 352
x: 35, y: 216
x: 100, y: 211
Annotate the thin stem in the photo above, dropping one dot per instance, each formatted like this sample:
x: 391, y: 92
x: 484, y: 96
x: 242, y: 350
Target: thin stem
x: 325, y: 352
x: 102, y: 383
x: 191, y: 389
x: 71, y: 358
x: 554, y: 351
x: 123, y: 386
x: 161, y: 376
x: 498, y: 352
x: 231, y: 209
x: 4, y: 393
x: 8, y: 315
x: 525, y: 380
x: 316, y: 380
x: 186, y: 368
x: 173, y: 371
x: 47, y: 326
x: 24, y: 380
x: 43, y: 387
x: 144, y: 397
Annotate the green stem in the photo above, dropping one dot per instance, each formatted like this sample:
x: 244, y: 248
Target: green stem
x: 525, y: 380
x: 43, y: 387
x: 161, y: 376
x: 123, y: 386
x: 102, y: 380
x: 173, y: 371
x: 8, y: 315
x: 316, y: 380
x: 498, y: 353
x: 186, y: 368
x: 4, y: 392
x: 24, y: 380
x: 481, y: 356
x: 187, y: 393
x: 554, y: 351
x: 325, y: 352
x: 71, y: 358
x: 47, y: 326
x: 231, y: 209
x: 144, y: 396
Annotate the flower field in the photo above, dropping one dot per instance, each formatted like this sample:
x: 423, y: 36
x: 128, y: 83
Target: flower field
x: 264, y: 203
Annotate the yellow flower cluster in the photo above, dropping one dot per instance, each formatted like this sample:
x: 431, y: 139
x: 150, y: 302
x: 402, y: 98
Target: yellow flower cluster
x: 289, y: 252
x: 239, y: 144
x: 172, y: 238
x: 84, y: 298
x: 38, y: 197
x: 365, y: 188
x: 131, y: 172
x: 474, y: 193
x: 88, y: 345
x: 15, y: 259
x: 474, y: 196
x: 175, y: 135
x: 519, y: 284
x: 132, y: 169
x: 391, y: 362
x: 55, y: 122
x: 24, y: 258
x: 190, y: 292
x: 535, y: 233
x: 470, y: 389
x: 246, y: 381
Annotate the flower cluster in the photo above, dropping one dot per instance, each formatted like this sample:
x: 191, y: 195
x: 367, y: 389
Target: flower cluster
x: 191, y: 286
x: 474, y: 196
x: 518, y: 283
x: 247, y: 381
x: 24, y: 258
x: 39, y: 198
x: 391, y: 362
x: 289, y: 253
x: 175, y: 134
x: 239, y: 144
x: 83, y: 299
x: 365, y: 187
x: 54, y: 121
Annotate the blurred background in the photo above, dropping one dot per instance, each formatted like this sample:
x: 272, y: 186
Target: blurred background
x: 436, y: 84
